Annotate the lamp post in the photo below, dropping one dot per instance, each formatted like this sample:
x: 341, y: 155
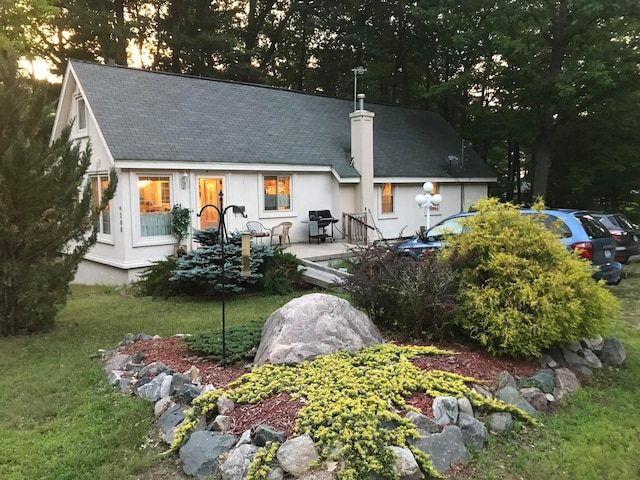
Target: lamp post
x: 427, y: 200
x: 222, y: 234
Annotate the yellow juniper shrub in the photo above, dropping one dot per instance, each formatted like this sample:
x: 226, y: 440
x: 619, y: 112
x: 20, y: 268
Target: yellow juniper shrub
x: 347, y: 405
x: 521, y: 291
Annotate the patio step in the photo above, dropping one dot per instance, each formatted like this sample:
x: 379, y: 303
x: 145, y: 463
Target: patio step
x: 322, y: 276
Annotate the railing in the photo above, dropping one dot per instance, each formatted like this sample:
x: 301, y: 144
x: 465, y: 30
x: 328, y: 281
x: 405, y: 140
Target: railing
x: 355, y: 227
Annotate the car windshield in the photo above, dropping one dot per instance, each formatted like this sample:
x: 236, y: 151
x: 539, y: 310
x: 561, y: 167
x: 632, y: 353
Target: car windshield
x: 624, y: 223
x: 450, y: 226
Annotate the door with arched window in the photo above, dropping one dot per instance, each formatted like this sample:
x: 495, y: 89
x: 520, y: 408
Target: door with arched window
x: 208, y: 194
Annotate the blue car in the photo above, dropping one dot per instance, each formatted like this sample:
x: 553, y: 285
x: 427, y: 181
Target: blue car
x: 578, y: 230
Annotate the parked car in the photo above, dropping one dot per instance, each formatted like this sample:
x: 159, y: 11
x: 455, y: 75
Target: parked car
x: 578, y: 230
x: 625, y: 233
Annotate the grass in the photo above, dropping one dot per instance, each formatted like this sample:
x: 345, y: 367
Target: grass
x: 59, y: 420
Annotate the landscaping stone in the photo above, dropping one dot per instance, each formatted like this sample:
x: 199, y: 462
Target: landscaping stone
x: 265, y: 433
x: 500, y: 423
x: 312, y: 325
x: 171, y: 418
x: 566, y: 383
x: 236, y: 466
x: 594, y: 344
x: 423, y: 422
x: 221, y: 423
x: 153, y: 369
x: 547, y: 361
x: 512, y: 396
x: 542, y: 379
x: 179, y: 380
x: 162, y: 406
x: 200, y: 454
x: 590, y: 358
x: 295, y: 455
x: 505, y: 379
x: 445, y: 410
x: 535, y: 397
x: 405, y: 465
x: 464, y: 406
x: 186, y: 394
x: 152, y: 391
x: 474, y: 432
x: 116, y: 361
x: 225, y: 405
x: 245, y: 438
x: 573, y: 360
x: 445, y: 449
x: 613, y: 352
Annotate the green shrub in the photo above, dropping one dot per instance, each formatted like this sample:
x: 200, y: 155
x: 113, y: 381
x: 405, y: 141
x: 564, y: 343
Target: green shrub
x: 521, y: 291
x: 199, y: 272
x: 412, y: 298
x: 241, y: 342
x: 281, y: 273
x: 154, y: 281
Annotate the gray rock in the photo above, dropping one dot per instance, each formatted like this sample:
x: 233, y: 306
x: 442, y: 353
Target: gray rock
x: 536, y: 397
x: 114, y: 377
x: 445, y: 449
x: 138, y: 357
x: 165, y: 388
x: 445, y: 410
x: 221, y: 423
x: 482, y: 390
x: 153, y: 369
x: 566, y: 383
x: 500, y: 423
x: 152, y: 391
x: 318, y: 475
x: 162, y: 406
x: 276, y: 473
x: 511, y: 396
x: 464, y: 406
x: 594, y: 344
x: 613, y: 352
x: 171, y: 418
x: 116, y: 361
x: 245, y: 438
x: 186, y: 394
x: 474, y: 432
x: 143, y: 336
x: 200, y: 454
x: 574, y: 347
x: 584, y: 370
x: 573, y: 360
x: 591, y: 359
x: 547, y: 361
x: 312, y: 325
x: 266, y: 433
x: 405, y: 465
x: 295, y: 455
x: 543, y: 379
x: 128, y: 339
x: 225, y: 405
x: 505, y: 379
x: 423, y: 422
x: 179, y: 380
x: 236, y: 466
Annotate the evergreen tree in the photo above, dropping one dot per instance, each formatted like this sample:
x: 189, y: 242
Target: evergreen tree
x: 46, y: 209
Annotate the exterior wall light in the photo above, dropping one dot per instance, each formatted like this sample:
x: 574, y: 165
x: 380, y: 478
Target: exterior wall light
x: 427, y: 200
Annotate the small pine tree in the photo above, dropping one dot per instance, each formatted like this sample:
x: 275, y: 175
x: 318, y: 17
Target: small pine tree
x: 46, y: 209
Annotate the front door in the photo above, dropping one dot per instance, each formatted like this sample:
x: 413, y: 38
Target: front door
x: 208, y: 194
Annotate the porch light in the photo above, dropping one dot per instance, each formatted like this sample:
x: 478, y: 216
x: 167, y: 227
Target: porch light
x: 427, y: 200
x: 184, y: 180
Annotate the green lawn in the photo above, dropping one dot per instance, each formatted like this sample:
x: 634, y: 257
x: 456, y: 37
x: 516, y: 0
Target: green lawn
x: 59, y: 419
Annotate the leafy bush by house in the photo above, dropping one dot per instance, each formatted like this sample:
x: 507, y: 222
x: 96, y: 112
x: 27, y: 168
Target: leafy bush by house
x: 281, y: 273
x: 413, y: 298
x: 241, y: 342
x: 154, y: 281
x: 520, y: 290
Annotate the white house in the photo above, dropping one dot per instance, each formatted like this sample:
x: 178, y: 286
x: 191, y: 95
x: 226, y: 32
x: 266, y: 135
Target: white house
x: 175, y: 139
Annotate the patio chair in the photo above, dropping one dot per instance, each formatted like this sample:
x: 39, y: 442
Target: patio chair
x: 282, y: 232
x: 258, y: 230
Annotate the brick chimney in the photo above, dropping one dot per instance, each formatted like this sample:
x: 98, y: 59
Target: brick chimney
x: 362, y: 154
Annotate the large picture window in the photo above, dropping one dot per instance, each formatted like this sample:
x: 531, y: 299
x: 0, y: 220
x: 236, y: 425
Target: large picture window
x: 277, y: 192
x: 386, y: 198
x: 99, y: 184
x: 155, y: 205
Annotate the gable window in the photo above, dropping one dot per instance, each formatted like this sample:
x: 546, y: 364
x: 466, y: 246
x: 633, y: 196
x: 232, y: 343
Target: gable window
x: 277, y: 192
x: 99, y: 184
x: 386, y: 198
x: 155, y: 205
x: 81, y: 118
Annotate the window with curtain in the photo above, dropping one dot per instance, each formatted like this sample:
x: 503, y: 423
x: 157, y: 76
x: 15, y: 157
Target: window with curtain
x: 155, y: 206
x: 99, y: 184
x: 386, y: 198
x: 277, y: 192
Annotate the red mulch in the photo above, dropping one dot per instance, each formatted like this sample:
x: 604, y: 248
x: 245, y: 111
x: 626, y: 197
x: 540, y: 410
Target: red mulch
x: 280, y: 412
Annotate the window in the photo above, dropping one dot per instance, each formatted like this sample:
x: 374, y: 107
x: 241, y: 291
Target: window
x: 99, y: 184
x: 277, y: 192
x: 81, y: 119
x: 434, y: 190
x: 155, y: 206
x: 386, y: 198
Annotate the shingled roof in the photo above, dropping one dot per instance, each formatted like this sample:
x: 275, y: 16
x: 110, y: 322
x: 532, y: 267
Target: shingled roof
x: 154, y: 116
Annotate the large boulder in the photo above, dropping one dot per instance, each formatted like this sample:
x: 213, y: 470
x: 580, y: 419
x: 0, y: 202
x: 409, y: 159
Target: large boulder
x: 312, y: 325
